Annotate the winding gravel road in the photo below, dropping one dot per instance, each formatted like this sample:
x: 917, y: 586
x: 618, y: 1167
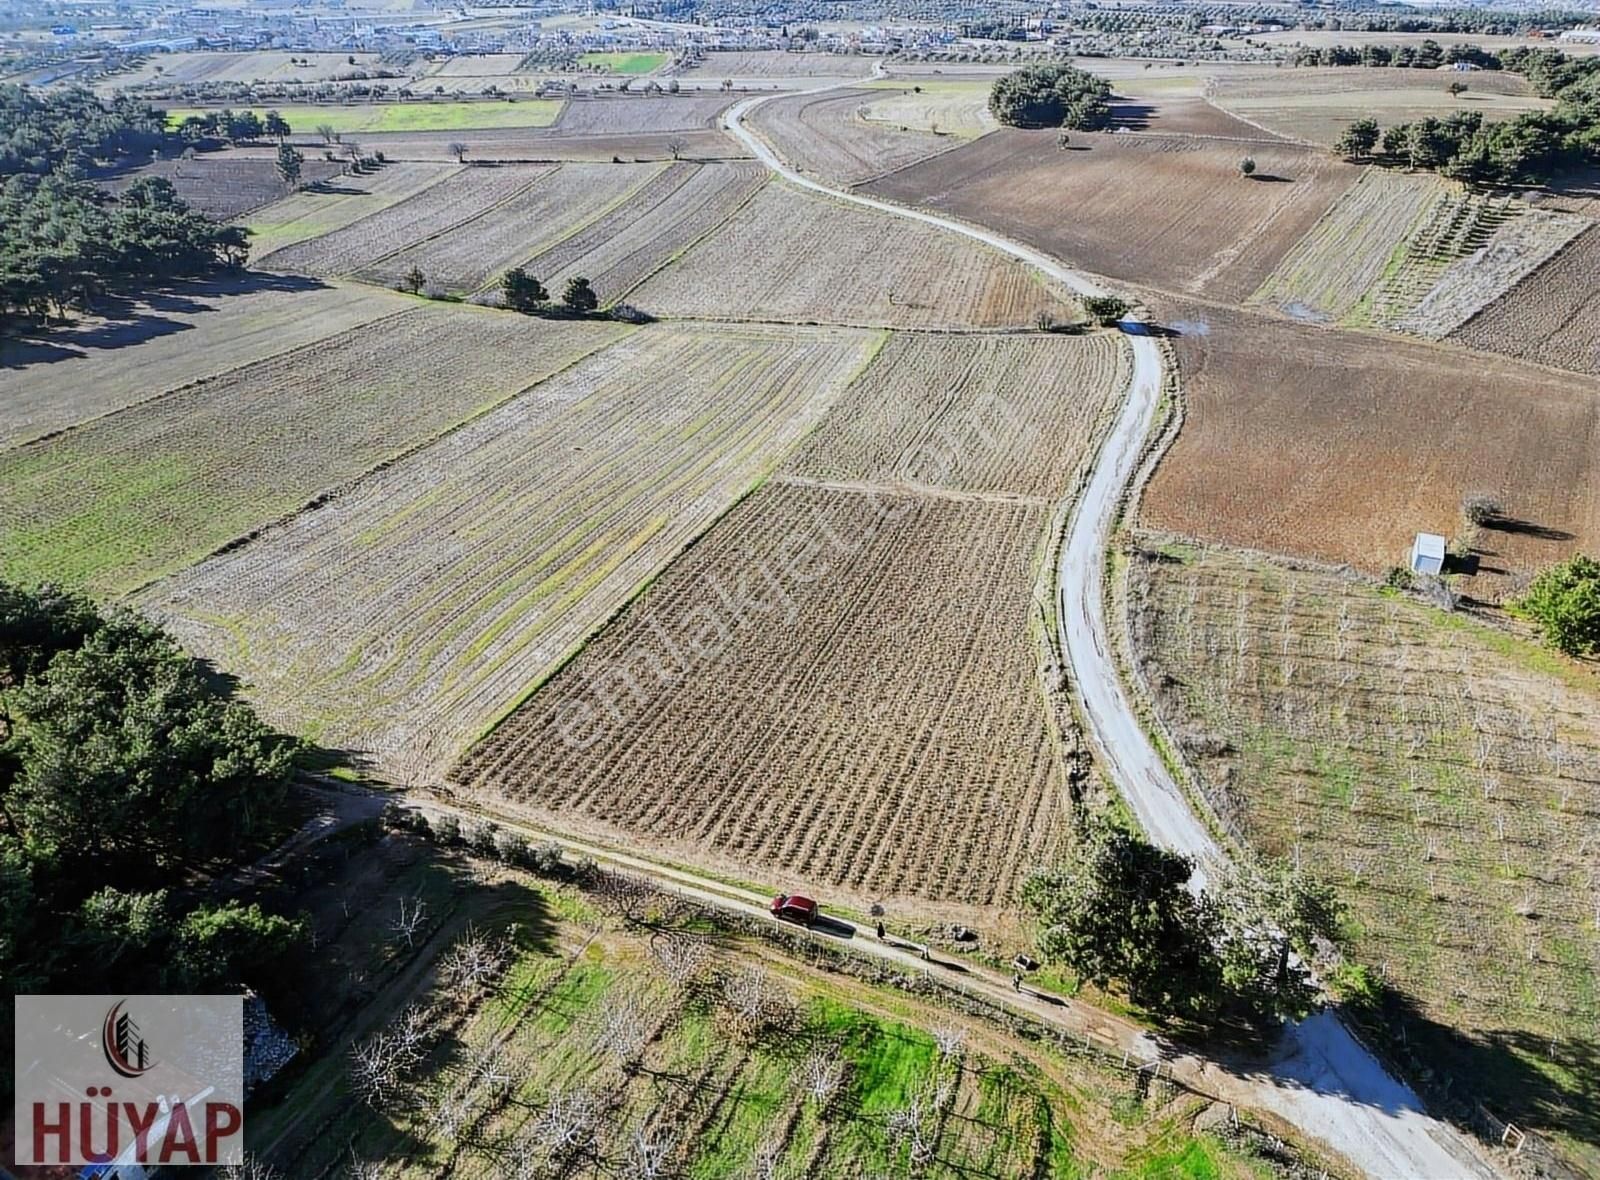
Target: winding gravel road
x: 1322, y: 1080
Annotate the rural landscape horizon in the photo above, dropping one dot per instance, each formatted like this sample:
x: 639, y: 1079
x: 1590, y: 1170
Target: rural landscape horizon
x: 762, y: 589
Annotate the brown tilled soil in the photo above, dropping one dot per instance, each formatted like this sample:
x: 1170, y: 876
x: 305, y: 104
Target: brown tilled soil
x: 1342, y: 446
x: 639, y: 114
x: 1170, y: 212
x: 1183, y: 115
x: 1552, y: 316
x: 224, y: 187
x: 823, y: 135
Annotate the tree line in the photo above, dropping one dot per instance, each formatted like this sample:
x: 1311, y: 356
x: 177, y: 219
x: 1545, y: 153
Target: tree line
x: 1051, y: 96
x: 127, y: 773
x: 1528, y: 149
x: 64, y: 241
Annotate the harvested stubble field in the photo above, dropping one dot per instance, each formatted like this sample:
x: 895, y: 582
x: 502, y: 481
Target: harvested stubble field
x: 537, y: 145
x: 836, y: 687
x: 321, y: 209
x: 1553, y: 317
x: 433, y: 210
x: 401, y: 615
x: 1170, y: 212
x: 131, y: 496
x: 778, y: 64
x: 362, y: 118
x: 471, y: 254
x: 1444, y: 776
x: 827, y: 136
x: 997, y: 415
x: 960, y: 109
x: 659, y: 220
x: 169, y: 338
x: 591, y: 1012
x: 267, y: 66
x: 1342, y: 446
x: 628, y: 114
x: 225, y: 187
x: 1316, y: 105
x: 1414, y: 254
x: 764, y: 264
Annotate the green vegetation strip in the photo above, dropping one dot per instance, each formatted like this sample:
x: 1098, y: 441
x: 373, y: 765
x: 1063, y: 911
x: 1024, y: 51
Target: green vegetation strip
x: 412, y: 116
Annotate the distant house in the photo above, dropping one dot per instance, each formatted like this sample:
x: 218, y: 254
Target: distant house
x: 1427, y: 554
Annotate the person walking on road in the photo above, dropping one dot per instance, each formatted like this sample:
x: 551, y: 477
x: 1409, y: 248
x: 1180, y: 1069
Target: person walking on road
x: 880, y: 930
x: 1016, y: 981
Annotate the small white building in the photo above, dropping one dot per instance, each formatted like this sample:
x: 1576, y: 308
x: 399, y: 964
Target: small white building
x: 1427, y: 554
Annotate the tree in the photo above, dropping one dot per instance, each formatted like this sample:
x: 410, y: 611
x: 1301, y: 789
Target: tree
x: 1457, y: 89
x: 1064, y: 140
x: 1270, y: 920
x: 414, y: 280
x: 1481, y: 508
x: 1394, y: 140
x: 326, y: 131
x: 289, y: 161
x: 457, y: 149
x: 1105, y: 309
x: 1358, y: 139
x: 676, y: 146
x: 1247, y: 167
x: 1564, y: 601
x: 1051, y: 96
x: 1120, y: 909
x: 276, y: 125
x: 579, y: 296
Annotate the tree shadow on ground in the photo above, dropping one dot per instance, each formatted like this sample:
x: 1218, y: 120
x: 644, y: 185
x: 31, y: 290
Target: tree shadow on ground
x: 1526, y: 528
x: 1269, y: 178
x: 1128, y: 115
x: 123, y: 318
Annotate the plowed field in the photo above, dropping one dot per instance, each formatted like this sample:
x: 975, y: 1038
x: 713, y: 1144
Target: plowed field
x: 321, y: 209
x: 1553, y: 317
x: 830, y: 136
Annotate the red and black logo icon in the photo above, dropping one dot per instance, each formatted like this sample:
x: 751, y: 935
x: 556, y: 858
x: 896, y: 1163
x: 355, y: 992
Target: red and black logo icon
x: 126, y: 1050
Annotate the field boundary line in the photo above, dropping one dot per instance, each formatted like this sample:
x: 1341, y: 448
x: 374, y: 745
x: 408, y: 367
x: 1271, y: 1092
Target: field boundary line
x: 1208, y: 94
x: 445, y: 173
x: 346, y: 485
x: 678, y: 255
x: 917, y: 491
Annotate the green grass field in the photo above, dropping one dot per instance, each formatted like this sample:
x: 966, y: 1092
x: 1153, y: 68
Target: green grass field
x: 373, y: 118
x: 624, y: 63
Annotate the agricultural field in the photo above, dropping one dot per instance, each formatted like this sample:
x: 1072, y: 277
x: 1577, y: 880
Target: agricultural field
x: 632, y: 64
x: 1553, y: 317
x: 399, y: 616
x: 169, y: 69
x: 831, y: 136
x: 1413, y: 253
x: 985, y: 414
x: 704, y: 1044
x: 1316, y: 105
x: 128, y: 497
x: 779, y: 64
x: 224, y: 188
x: 379, y: 118
x: 431, y: 211
x: 474, y: 253
x: 639, y: 114
x: 1321, y: 38
x: 536, y: 144
x: 763, y: 264
x: 1166, y: 211
x: 661, y: 218
x: 1441, y: 774
x: 1341, y: 446
x: 320, y: 209
x: 960, y: 109
x: 144, y: 347
x: 837, y: 687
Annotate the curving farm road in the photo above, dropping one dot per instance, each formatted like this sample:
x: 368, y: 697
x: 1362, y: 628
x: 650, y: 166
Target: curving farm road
x: 1322, y: 1080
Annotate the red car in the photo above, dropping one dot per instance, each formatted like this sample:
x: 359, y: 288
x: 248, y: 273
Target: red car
x: 791, y: 907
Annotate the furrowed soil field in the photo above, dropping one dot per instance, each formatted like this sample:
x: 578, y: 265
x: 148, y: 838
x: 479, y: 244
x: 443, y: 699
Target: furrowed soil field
x: 1553, y: 317
x: 763, y: 264
x: 169, y: 68
x: 984, y: 414
x: 1444, y: 776
x: 190, y: 331
x: 835, y: 687
x: 827, y: 136
x: 401, y: 615
x: 1316, y: 105
x: 430, y: 212
x: 640, y: 114
x: 360, y: 118
x: 581, y: 1011
x: 663, y: 217
x: 225, y: 188
x: 131, y: 496
x: 1341, y: 446
x: 1170, y: 212
x: 321, y: 209
x: 562, y: 201
x: 1414, y: 254
x: 778, y: 64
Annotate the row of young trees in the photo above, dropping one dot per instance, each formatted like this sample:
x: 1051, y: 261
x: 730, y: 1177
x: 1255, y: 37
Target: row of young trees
x: 1120, y: 910
x: 1051, y: 96
x: 126, y: 770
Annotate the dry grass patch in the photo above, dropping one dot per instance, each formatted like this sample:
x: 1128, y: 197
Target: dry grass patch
x: 137, y: 494
x: 1166, y: 211
x: 403, y: 613
x: 953, y: 108
x: 878, y: 269
x: 104, y: 362
x: 1444, y: 776
x: 1342, y: 446
x: 833, y: 688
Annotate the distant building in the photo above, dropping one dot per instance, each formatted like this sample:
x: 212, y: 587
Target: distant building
x: 1427, y: 554
x: 1582, y: 36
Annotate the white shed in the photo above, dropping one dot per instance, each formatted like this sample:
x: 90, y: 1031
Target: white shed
x: 1427, y: 554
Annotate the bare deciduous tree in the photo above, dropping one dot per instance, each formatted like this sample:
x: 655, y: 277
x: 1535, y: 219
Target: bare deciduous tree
x: 410, y: 919
x: 249, y: 1168
x: 820, y: 1075
x: 624, y: 1032
x: 476, y: 961
x: 649, y: 1153
x: 913, y: 1125
x: 950, y: 1041
x: 567, y: 1122
x: 683, y: 958
x: 381, y: 1065
x: 755, y: 1001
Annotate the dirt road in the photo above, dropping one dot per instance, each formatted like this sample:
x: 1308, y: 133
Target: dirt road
x: 1324, y: 1081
